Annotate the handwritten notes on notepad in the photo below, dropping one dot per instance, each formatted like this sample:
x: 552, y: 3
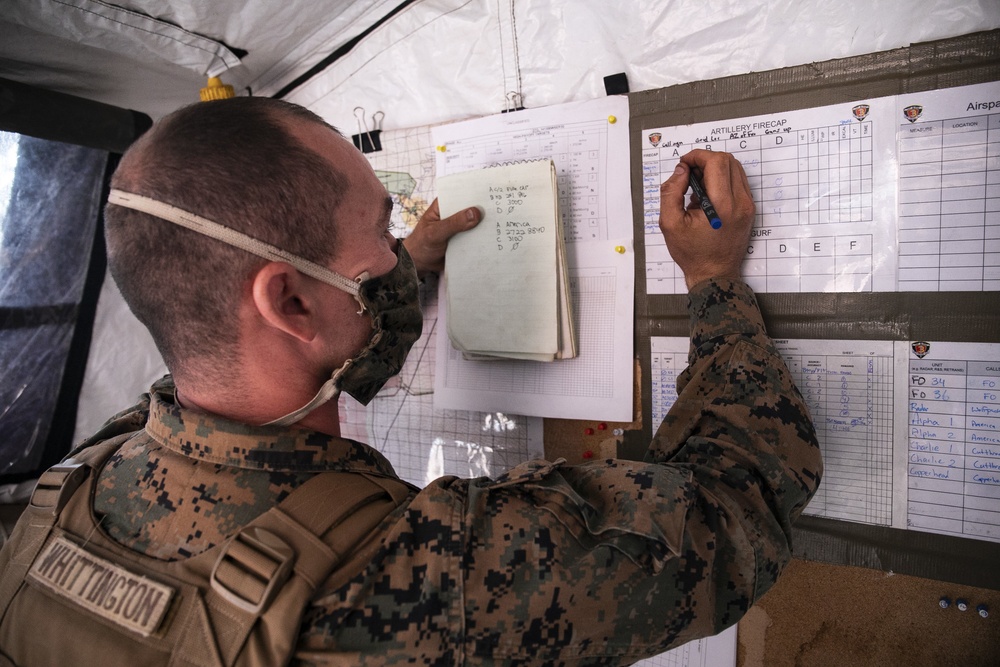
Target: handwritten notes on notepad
x: 507, y: 288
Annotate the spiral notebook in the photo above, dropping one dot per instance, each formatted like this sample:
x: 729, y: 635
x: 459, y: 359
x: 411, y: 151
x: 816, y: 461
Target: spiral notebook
x: 507, y: 292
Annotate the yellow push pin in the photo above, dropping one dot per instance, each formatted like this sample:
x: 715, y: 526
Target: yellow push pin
x: 620, y: 249
x: 612, y: 119
x: 442, y: 149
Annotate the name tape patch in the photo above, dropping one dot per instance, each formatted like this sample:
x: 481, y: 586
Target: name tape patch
x: 110, y: 591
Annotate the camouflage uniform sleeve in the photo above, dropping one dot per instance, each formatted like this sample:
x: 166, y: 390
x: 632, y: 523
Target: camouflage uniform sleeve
x: 740, y: 424
x: 609, y: 562
x: 603, y: 563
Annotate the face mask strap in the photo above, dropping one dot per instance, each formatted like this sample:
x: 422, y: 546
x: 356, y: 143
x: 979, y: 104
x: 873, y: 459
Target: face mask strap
x: 327, y: 392
x: 231, y: 237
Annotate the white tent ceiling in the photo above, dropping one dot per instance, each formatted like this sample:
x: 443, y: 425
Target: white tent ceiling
x: 439, y: 60
x: 154, y: 55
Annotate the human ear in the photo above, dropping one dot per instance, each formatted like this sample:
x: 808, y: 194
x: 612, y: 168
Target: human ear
x: 281, y: 297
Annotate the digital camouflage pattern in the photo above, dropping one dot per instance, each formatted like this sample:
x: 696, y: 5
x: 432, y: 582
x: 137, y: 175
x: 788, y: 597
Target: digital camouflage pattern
x: 393, y: 301
x: 595, y: 564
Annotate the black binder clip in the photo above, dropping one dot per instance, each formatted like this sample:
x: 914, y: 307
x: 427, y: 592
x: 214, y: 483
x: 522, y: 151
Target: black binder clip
x: 514, y: 103
x: 368, y: 141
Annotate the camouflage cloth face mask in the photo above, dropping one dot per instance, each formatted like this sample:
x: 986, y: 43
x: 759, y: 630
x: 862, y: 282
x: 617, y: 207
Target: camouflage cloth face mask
x: 392, y: 301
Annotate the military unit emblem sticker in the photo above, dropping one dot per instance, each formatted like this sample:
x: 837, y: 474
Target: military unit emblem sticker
x: 913, y: 112
x: 861, y: 111
x: 654, y: 138
x: 920, y: 348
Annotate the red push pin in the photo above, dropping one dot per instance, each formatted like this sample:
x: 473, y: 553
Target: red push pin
x: 588, y: 454
x: 602, y: 427
x: 588, y: 431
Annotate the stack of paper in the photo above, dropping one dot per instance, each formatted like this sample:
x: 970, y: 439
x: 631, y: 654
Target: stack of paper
x: 506, y: 281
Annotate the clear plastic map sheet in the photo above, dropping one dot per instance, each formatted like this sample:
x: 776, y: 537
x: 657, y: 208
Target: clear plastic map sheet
x: 423, y: 443
x: 875, y: 257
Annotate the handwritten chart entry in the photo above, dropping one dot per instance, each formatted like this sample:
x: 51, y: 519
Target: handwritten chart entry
x: 668, y: 358
x: 824, y: 183
x: 949, y: 182
x: 849, y: 389
x: 953, y: 461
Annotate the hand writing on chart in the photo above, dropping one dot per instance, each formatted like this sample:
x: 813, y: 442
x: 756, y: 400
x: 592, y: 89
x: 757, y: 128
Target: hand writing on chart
x: 700, y: 251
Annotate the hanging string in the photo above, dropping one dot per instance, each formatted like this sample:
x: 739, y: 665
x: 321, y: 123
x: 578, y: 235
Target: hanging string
x: 503, y: 60
x: 513, y: 99
x: 517, y: 57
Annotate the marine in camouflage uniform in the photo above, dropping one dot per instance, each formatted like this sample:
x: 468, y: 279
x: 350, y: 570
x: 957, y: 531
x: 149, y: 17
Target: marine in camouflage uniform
x: 595, y: 564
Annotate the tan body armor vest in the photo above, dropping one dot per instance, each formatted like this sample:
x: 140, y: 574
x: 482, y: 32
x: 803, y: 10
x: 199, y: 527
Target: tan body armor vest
x: 71, y: 595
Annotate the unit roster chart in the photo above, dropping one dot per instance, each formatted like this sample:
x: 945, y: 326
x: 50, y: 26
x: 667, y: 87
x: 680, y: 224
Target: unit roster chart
x: 953, y: 458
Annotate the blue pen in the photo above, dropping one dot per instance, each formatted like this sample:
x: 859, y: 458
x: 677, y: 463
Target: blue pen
x: 706, y: 203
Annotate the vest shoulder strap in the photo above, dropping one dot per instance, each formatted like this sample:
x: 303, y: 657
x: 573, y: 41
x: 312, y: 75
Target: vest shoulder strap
x: 271, y: 568
x: 54, y: 489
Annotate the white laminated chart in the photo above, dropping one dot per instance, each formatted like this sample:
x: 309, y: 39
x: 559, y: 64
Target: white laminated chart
x: 716, y: 651
x: 668, y: 358
x: 953, y: 459
x: 910, y: 431
x: 849, y: 389
x: 949, y: 189
x: 824, y: 184
x: 581, y: 150
x: 588, y: 144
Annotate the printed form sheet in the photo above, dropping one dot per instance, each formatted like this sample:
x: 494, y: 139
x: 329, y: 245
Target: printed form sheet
x: 910, y: 431
x: 424, y: 443
x: 949, y: 189
x: 849, y: 389
x: 953, y: 458
x: 824, y: 181
x: 716, y: 651
x: 588, y: 142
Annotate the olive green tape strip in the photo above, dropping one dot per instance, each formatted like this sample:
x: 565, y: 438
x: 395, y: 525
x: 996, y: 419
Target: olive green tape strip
x: 943, y: 316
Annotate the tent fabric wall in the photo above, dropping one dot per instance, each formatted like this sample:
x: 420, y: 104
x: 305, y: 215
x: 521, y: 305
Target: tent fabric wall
x: 445, y: 60
x: 121, y: 31
x: 73, y: 46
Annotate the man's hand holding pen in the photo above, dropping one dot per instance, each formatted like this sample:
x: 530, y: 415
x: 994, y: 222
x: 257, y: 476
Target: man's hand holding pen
x: 701, y: 249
